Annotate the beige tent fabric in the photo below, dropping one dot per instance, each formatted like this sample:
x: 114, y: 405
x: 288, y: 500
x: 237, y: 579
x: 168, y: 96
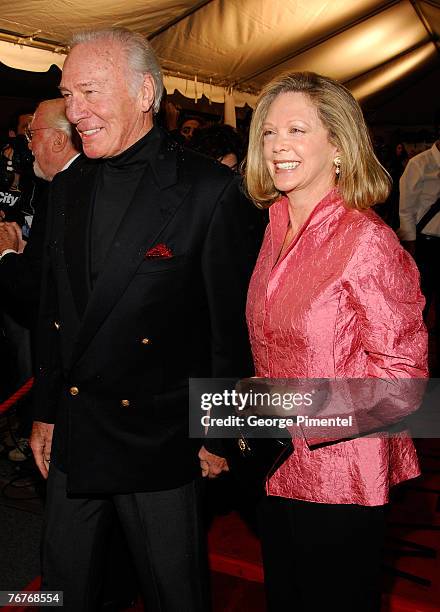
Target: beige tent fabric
x: 361, y: 47
x: 244, y: 41
x: 385, y: 76
x: 28, y: 58
x: 367, y: 44
x: 56, y: 20
x: 229, y: 110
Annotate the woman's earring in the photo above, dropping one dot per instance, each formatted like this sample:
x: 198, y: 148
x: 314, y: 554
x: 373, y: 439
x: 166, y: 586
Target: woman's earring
x: 337, y: 162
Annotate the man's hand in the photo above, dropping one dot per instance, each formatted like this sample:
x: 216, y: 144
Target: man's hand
x: 212, y: 465
x: 10, y: 237
x: 41, y: 444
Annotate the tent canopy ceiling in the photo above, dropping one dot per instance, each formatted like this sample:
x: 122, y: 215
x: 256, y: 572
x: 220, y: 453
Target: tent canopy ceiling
x: 370, y: 45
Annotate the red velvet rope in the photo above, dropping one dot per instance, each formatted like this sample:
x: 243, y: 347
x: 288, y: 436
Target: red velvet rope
x: 22, y: 391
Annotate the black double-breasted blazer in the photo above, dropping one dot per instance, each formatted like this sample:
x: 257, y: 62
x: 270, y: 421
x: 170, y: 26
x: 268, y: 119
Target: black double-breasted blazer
x: 114, y: 362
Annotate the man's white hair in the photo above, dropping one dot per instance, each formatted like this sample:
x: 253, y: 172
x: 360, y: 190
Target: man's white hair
x: 55, y: 116
x: 141, y: 58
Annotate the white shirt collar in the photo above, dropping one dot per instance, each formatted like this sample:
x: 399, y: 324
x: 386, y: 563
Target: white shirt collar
x: 71, y: 160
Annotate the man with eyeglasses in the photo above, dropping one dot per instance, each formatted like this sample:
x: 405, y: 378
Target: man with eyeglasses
x: 49, y: 137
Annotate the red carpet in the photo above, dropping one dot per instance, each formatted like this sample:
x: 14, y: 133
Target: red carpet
x: 412, y: 581
x: 412, y: 554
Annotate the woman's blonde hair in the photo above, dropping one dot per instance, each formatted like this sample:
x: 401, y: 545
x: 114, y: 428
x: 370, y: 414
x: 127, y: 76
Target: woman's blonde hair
x: 362, y: 181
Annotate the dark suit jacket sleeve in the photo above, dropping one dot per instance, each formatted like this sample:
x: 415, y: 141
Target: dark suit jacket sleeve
x: 228, y: 260
x: 227, y: 263
x: 47, y: 370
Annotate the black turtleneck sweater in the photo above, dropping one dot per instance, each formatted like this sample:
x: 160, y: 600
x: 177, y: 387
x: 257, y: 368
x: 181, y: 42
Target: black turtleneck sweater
x: 116, y: 185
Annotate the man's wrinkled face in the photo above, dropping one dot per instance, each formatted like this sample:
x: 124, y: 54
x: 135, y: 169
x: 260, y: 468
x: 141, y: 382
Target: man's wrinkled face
x: 95, y: 85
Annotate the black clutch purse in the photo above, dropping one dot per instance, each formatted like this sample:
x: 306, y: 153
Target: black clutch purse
x: 252, y: 460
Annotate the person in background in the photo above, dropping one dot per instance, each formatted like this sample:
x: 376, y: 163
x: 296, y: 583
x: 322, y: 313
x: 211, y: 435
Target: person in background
x: 420, y: 228
x: 54, y: 148
x: 333, y: 295
x: 389, y: 210
x: 399, y: 160
x: 188, y: 126
x: 19, y: 190
x: 18, y: 194
x: 221, y: 142
x: 181, y: 128
x: 49, y: 137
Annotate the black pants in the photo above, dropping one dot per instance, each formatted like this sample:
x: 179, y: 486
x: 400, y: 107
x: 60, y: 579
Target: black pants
x: 20, y: 356
x: 320, y: 557
x: 164, y: 533
x: 427, y: 257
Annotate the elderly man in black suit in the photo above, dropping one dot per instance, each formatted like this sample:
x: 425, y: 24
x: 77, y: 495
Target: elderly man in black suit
x: 49, y: 138
x: 145, y: 281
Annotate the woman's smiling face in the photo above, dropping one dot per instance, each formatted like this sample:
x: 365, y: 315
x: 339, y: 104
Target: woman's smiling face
x: 296, y: 147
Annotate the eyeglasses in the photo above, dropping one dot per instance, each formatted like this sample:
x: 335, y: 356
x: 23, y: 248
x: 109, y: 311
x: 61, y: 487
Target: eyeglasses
x: 29, y: 134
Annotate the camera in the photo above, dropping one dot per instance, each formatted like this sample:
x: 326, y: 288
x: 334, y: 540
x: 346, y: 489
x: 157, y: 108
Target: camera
x: 15, y: 174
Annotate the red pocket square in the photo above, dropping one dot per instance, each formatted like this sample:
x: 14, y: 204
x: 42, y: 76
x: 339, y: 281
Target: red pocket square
x: 159, y: 250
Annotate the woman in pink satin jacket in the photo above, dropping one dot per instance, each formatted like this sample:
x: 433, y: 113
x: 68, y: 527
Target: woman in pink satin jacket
x: 333, y: 295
